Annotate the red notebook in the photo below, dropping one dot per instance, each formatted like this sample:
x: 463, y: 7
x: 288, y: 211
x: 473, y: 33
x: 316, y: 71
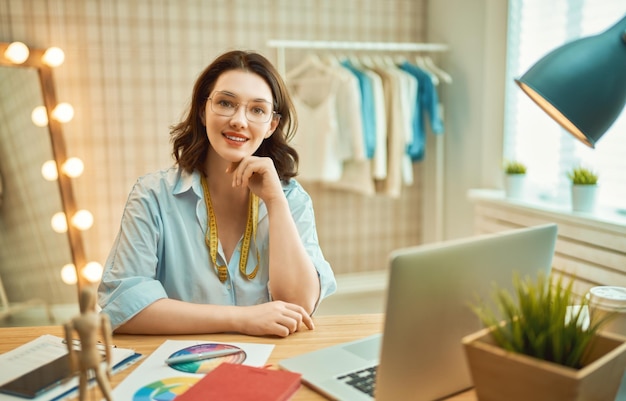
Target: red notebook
x: 233, y: 382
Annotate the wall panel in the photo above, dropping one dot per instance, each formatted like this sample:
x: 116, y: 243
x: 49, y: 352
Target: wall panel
x: 129, y: 69
x: 589, y: 249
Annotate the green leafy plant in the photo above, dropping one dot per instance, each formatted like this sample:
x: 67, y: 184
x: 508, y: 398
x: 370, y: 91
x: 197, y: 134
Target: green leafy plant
x: 514, y: 167
x: 582, y: 176
x: 539, y: 323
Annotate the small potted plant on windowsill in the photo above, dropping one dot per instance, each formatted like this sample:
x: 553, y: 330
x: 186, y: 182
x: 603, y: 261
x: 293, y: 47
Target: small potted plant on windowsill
x: 584, y: 188
x: 515, y: 174
x: 543, y: 349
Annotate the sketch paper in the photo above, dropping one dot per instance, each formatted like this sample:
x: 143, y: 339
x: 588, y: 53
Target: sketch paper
x: 154, y: 379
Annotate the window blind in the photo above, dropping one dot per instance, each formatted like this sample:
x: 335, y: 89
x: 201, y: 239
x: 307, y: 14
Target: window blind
x: 536, y: 27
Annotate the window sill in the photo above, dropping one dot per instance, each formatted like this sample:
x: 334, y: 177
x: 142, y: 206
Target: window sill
x: 603, y: 219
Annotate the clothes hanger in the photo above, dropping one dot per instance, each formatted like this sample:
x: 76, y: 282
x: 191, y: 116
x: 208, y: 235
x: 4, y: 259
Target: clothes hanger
x: 399, y: 59
x: 367, y: 61
x: 421, y: 63
x: 330, y: 59
x: 354, y: 60
x: 379, y: 61
x: 311, y: 64
x: 438, y: 71
x: 388, y: 61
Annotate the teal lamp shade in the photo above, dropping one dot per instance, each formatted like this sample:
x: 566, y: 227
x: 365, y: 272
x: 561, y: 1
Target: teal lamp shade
x: 582, y: 84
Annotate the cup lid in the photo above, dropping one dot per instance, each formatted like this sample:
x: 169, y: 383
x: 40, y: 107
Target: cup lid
x: 608, y: 296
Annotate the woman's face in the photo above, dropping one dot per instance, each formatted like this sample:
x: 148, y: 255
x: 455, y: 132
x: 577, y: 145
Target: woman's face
x: 238, y: 114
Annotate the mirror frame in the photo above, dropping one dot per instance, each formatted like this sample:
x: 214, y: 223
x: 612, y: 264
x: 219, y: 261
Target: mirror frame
x: 59, y: 153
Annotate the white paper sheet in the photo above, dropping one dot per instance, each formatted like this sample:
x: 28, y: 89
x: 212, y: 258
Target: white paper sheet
x: 31, y: 355
x: 154, y: 379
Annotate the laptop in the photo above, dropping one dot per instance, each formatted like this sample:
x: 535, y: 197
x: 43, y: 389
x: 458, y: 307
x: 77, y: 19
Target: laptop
x: 419, y: 356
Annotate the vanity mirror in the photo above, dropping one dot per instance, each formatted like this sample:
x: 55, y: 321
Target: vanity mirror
x: 32, y: 253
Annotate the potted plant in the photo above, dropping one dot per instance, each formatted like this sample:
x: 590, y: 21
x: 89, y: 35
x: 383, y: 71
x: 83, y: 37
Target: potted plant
x: 584, y: 188
x: 540, y: 348
x: 515, y: 173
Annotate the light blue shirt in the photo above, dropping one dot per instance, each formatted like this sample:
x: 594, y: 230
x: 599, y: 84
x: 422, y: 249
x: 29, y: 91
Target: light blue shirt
x: 160, y: 250
x: 368, y: 109
x: 427, y: 106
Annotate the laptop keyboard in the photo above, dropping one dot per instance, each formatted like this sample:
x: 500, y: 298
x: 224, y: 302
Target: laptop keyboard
x: 363, y: 380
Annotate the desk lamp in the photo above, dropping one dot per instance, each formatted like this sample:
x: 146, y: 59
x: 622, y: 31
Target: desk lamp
x: 582, y: 84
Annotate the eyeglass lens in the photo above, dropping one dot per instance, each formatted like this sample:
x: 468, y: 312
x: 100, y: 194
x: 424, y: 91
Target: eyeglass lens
x: 225, y: 104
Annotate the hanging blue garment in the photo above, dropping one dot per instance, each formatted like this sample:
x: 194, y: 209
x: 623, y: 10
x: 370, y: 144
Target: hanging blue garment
x: 427, y: 107
x: 368, y: 111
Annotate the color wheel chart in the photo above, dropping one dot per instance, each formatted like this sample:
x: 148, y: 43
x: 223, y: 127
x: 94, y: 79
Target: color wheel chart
x: 155, y: 380
x: 206, y: 365
x: 165, y: 390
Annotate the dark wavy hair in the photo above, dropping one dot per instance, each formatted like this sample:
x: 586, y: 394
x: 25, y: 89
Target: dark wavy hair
x: 189, y: 139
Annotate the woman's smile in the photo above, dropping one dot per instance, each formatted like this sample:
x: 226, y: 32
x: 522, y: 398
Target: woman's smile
x: 235, y: 137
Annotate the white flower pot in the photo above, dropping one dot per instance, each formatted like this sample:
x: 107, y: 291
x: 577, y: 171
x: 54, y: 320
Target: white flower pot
x: 584, y: 198
x: 514, y: 185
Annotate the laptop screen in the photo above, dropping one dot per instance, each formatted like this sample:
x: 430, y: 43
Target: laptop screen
x: 428, y: 311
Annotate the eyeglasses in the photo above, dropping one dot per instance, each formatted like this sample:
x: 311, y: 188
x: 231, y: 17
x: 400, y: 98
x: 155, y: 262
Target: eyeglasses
x: 257, y: 111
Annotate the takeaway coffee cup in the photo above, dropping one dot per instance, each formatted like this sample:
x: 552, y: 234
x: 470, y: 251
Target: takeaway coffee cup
x: 605, y: 300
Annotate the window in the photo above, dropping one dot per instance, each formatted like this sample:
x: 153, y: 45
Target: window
x: 536, y: 27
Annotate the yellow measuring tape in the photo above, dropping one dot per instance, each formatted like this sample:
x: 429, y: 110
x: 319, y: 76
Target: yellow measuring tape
x: 211, y: 237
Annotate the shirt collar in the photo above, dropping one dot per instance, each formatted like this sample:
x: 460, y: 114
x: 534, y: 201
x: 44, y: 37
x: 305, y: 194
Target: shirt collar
x: 187, y: 181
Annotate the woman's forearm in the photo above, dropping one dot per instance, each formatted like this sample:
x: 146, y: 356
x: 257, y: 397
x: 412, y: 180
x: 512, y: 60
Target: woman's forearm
x: 170, y: 316
x: 292, y: 276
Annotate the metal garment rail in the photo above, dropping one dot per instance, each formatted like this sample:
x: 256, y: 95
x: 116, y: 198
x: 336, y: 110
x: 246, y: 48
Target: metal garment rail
x: 281, y: 45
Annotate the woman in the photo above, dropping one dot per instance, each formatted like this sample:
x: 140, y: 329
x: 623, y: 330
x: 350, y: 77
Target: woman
x: 225, y: 240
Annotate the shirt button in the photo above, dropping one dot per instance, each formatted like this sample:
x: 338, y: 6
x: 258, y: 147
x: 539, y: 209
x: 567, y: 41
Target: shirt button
x: 228, y: 287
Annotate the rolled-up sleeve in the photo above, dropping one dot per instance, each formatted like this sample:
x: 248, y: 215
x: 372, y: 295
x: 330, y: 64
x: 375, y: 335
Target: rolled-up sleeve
x: 129, y: 282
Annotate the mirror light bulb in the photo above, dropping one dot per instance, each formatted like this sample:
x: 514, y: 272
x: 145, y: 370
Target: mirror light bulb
x: 92, y: 272
x: 73, y: 167
x: 83, y: 220
x: 59, y: 223
x: 63, y: 112
x: 49, y: 170
x: 53, y: 57
x: 68, y: 274
x: 39, y: 116
x: 17, y: 52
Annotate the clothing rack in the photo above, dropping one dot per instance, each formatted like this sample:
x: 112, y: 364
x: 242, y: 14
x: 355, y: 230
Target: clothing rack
x: 280, y: 45
x: 408, y: 47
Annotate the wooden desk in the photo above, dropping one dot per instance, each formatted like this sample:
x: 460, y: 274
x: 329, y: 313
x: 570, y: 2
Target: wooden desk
x: 329, y: 330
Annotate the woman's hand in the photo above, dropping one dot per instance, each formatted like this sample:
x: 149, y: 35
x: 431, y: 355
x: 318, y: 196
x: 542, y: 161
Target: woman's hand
x: 273, y: 318
x: 258, y: 174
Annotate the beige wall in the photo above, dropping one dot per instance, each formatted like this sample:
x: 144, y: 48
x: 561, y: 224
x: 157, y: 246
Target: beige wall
x: 129, y: 68
x: 475, y: 31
